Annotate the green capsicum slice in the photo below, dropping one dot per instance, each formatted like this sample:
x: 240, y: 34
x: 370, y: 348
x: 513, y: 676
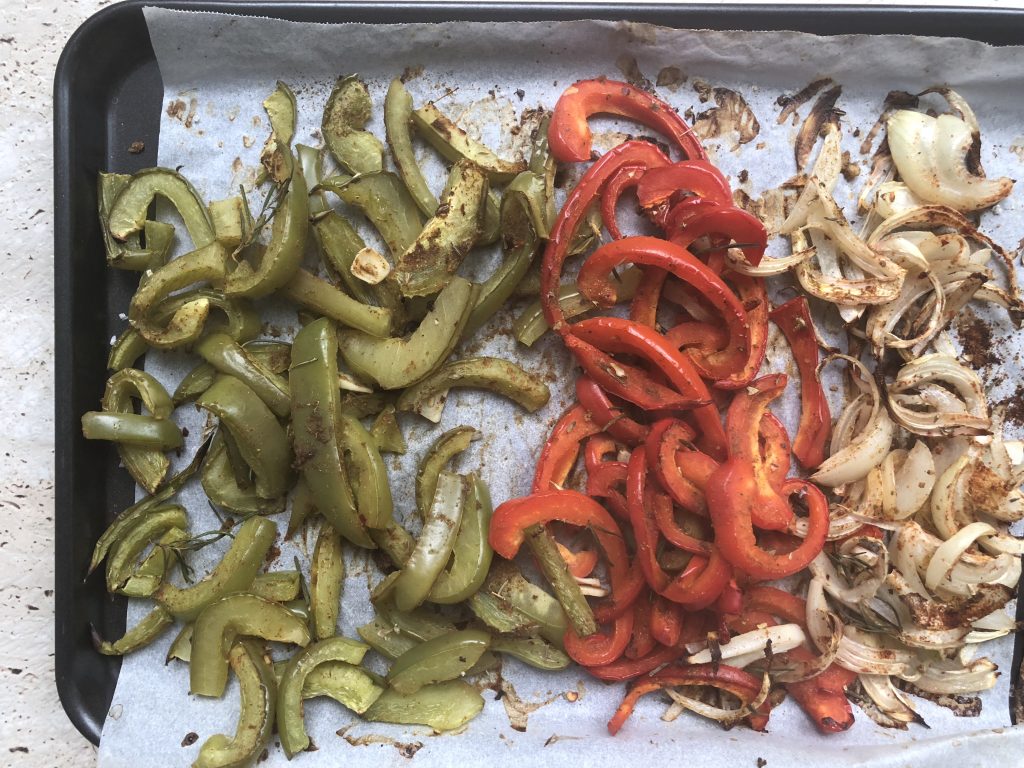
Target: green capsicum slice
x: 533, y: 651
x: 338, y: 244
x: 420, y: 624
x: 129, y: 211
x: 321, y: 297
x: 345, y: 116
x: 260, y: 438
x: 276, y: 156
x: 445, y: 448
x: 230, y: 358
x: 122, y: 560
x: 279, y: 586
x: 425, y: 267
x: 274, y: 356
x: 454, y: 144
x: 435, y: 543
x: 146, y: 578
x: 387, y: 433
x: 368, y: 474
x: 316, y: 404
x: 258, y: 704
x: 351, y: 686
x: 446, y: 657
x: 385, y: 639
x: 397, y: 127
x: 472, y: 554
x: 233, y: 616
x: 235, y: 571
x: 443, y: 706
x: 394, y: 541
x: 499, y: 615
x: 149, y: 628
x: 120, y: 255
x: 220, y: 482
x: 132, y: 429
x: 181, y: 646
x: 506, y: 582
x: 398, y: 362
x: 290, y: 724
x: 229, y: 220
x: 326, y: 577
x: 384, y: 200
x: 303, y: 507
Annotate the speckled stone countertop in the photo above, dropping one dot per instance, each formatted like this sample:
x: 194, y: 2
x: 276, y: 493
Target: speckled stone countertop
x: 34, y: 731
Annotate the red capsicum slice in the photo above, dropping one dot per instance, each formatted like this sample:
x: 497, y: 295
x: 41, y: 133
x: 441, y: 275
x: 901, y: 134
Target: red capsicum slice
x: 642, y: 642
x: 597, y: 450
x: 626, y: 177
x: 604, y: 482
x: 559, y: 454
x: 663, y: 443
x: 660, y: 190
x: 823, y: 697
x: 794, y: 320
x: 710, y: 338
x: 569, y: 134
x: 644, y: 307
x: 629, y: 669
x: 605, y: 414
x: 730, y: 224
x: 666, y: 621
x: 664, y: 518
x: 581, y: 564
x: 686, y: 210
x: 777, y: 602
x: 601, y: 647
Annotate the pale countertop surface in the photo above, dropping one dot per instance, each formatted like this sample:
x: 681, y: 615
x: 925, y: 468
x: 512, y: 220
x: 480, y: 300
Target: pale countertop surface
x: 34, y: 731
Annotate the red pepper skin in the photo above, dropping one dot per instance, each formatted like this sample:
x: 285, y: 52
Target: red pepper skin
x: 642, y: 642
x: 614, y: 334
x: 754, y: 296
x: 663, y: 443
x: 794, y: 320
x: 777, y: 602
x: 629, y: 153
x: 731, y: 599
x: 687, y: 210
x: 666, y: 621
x: 580, y: 564
x: 593, y: 282
x: 706, y: 336
x: 562, y: 448
x: 700, y: 178
x: 628, y: 668
x: 569, y: 134
x: 601, y: 647
x: 664, y: 518
x: 740, y: 684
x: 731, y: 224
x: 624, y: 595
x: 644, y: 307
x: 775, y: 449
x: 624, y: 178
x: 597, y: 449
x: 823, y: 697
x: 604, y: 481
x: 606, y: 415
x: 748, y: 621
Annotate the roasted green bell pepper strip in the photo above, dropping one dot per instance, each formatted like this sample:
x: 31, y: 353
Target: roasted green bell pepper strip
x: 132, y: 429
x: 154, y: 567
x: 316, y: 406
x: 443, y: 707
x: 256, y: 716
x: 398, y: 362
x: 508, y: 583
x: 447, y: 657
x: 129, y: 211
x: 386, y: 640
x: 397, y: 126
x: 425, y: 267
x: 384, y: 200
x: 445, y: 448
x: 234, y: 572
x: 338, y: 244
x: 260, y: 438
x: 230, y: 358
x: 566, y: 588
x: 220, y: 482
x: 387, y: 433
x: 274, y: 356
x: 453, y: 144
x: 491, y: 373
x: 435, y: 543
x: 303, y: 507
x: 532, y: 651
x: 420, y: 624
x: 345, y: 116
x: 279, y: 586
x: 123, y: 557
x: 353, y: 687
x: 499, y: 615
x: 326, y: 577
x: 311, y: 163
x: 233, y: 616
x: 363, y: 404
x: 471, y: 556
x: 276, y: 155
x: 128, y: 254
x: 368, y: 474
x: 149, y: 628
x: 290, y: 725
x: 282, y: 256
x: 394, y: 541
x: 321, y: 297
x: 206, y: 264
x: 230, y: 221
x: 181, y: 647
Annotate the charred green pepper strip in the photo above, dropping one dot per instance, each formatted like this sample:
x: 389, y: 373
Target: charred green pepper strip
x: 303, y: 507
x: 435, y: 543
x: 258, y: 704
x: 363, y: 404
x: 387, y: 433
x: 326, y: 576
x: 261, y: 439
x: 494, y: 374
x: 397, y: 126
x: 129, y: 211
x: 283, y: 254
x: 132, y: 429
x: 149, y: 628
x: 311, y: 163
x: 120, y: 255
x: 234, y: 572
x: 240, y: 470
x: 207, y: 264
x: 123, y: 557
x: 443, y: 658
x: 506, y: 582
x: 445, y: 448
x: 369, y: 475
x: 345, y: 116
x: 499, y: 615
x: 419, y: 624
x: 228, y: 357
x: 155, y: 565
x: 353, y: 687
x: 338, y: 243
x: 279, y: 586
x: 220, y: 483
x: 229, y: 617
x: 384, y: 639
x: 443, y: 707
x: 276, y: 155
x: 532, y: 651
x: 229, y: 220
x: 425, y: 267
x: 490, y: 228
x: 159, y: 237
x: 323, y: 298
x: 566, y: 588
x: 275, y: 356
x: 181, y: 646
x: 316, y: 407
x: 196, y: 381
x: 398, y: 362
x: 290, y: 725
x: 471, y: 557
x: 453, y: 144
x: 394, y: 541
x: 384, y: 200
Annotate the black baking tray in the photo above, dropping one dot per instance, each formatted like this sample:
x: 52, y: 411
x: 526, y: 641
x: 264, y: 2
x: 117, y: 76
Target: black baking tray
x: 108, y: 95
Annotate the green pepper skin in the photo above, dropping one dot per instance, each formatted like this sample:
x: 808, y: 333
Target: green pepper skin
x: 387, y: 433
x: 258, y: 706
x: 149, y: 628
x: 126, y: 551
x: 384, y: 200
x: 316, y: 407
x: 232, y: 616
x: 220, y: 484
x: 131, y: 429
x: 368, y: 474
x: 321, y: 297
x: 129, y: 253
x: 279, y: 586
x: 327, y: 574
x: 276, y: 156
x: 345, y: 116
x: 443, y: 658
x: 290, y: 725
x: 397, y: 125
x: 386, y: 640
x: 421, y: 625
x: 472, y: 554
x: 499, y: 615
x: 303, y: 507
x: 351, y: 686
x: 443, y: 706
x: 453, y: 144
x: 566, y: 588
x: 146, y: 578
x: 394, y: 541
x: 425, y: 267
x: 234, y: 572
x: 228, y: 357
x: 273, y: 356
x: 445, y: 448
x: 128, y: 213
x: 532, y: 651
x: 506, y: 582
x: 435, y: 543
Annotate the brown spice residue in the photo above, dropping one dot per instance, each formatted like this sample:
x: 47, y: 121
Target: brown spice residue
x: 631, y: 72
x: 976, y: 338
x: 176, y: 109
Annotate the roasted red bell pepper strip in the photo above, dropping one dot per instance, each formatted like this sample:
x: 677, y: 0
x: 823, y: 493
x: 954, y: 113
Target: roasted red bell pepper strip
x: 644, y: 307
x: 581, y: 564
x: 601, y: 647
x: 748, y: 621
x: 562, y: 448
x: 732, y: 225
x: 794, y: 320
x: 666, y: 621
x: 823, y: 697
x: 593, y: 281
x: 624, y: 178
x: 642, y: 642
x: 583, y: 195
x: 777, y: 602
x: 754, y: 297
x: 605, y: 414
x: 624, y: 594
x: 628, y: 669
x: 663, y: 443
x: 685, y: 211
x: 604, y: 482
x: 597, y: 450
x: 775, y: 449
x: 569, y: 134
x: 661, y: 189
x: 731, y: 599
x: 664, y: 518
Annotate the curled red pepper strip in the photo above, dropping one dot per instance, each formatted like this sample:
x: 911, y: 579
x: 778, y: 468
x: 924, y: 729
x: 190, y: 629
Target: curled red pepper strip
x: 597, y: 449
x: 777, y: 602
x: 731, y: 224
x: 664, y: 517
x: 707, y: 336
x: 700, y: 179
x: 601, y: 647
x: 775, y: 449
x: 731, y: 599
x: 664, y: 442
x: 604, y: 482
x: 794, y: 320
x: 630, y: 153
x: 823, y: 697
x: 623, y: 596
x: 685, y: 211
x: 593, y: 281
x: 605, y: 414
x: 559, y: 454
x: 614, y: 334
x: 748, y: 621
x: 644, y: 307
x: 740, y: 684
x: 624, y: 178
x: 569, y: 134
x: 642, y: 642
x: 666, y: 621
x: 581, y: 564
x: 754, y: 297
x: 628, y: 668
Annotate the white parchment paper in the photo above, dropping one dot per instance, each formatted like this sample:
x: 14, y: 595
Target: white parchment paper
x: 216, y: 71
